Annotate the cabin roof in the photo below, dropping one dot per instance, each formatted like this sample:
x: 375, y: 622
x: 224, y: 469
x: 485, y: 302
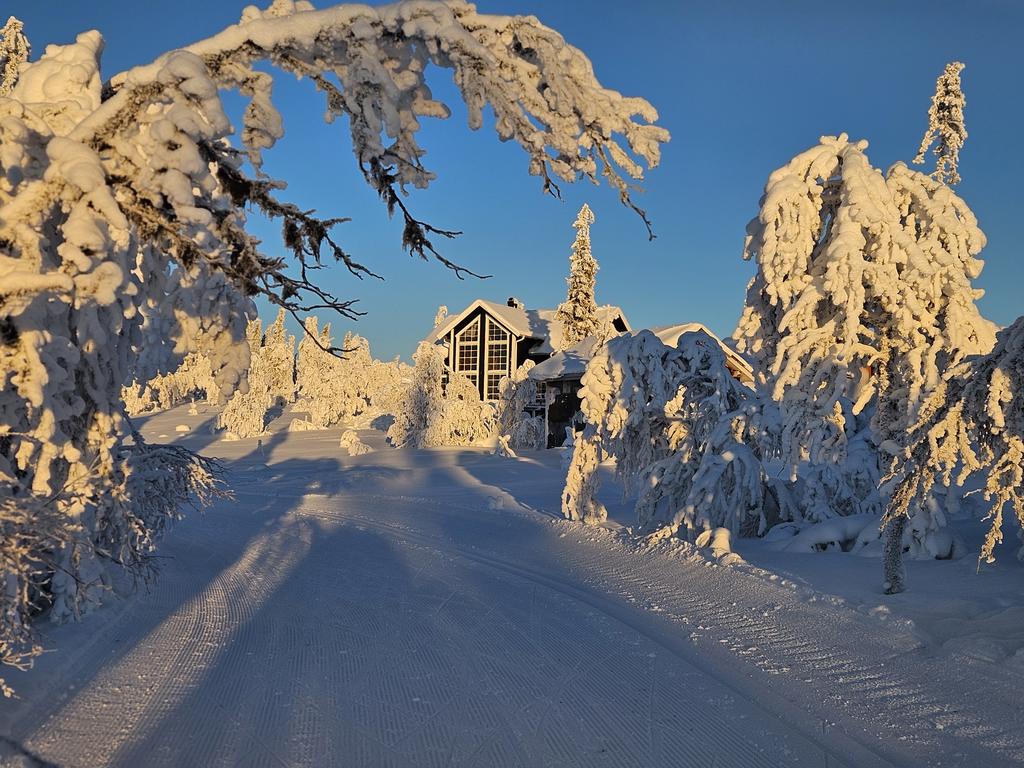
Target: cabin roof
x: 539, y: 324
x: 572, y: 362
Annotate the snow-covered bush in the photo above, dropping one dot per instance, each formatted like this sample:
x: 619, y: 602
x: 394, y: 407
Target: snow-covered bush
x: 123, y: 207
x: 577, y: 315
x: 971, y: 425
x: 579, y: 497
x: 194, y: 377
x: 460, y: 418
x: 516, y: 392
x: 351, y: 442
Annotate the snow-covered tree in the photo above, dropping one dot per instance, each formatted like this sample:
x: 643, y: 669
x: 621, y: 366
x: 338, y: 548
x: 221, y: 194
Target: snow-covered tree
x: 462, y: 418
x: 442, y: 314
x: 245, y: 414
x: 577, y: 315
x: 515, y: 394
x: 972, y: 425
x: 422, y: 399
x: 123, y: 209
x: 279, y: 355
x: 579, y: 497
x: 683, y: 431
x: 862, y: 295
x: 14, y: 51
x: 946, y: 127
x: 434, y: 413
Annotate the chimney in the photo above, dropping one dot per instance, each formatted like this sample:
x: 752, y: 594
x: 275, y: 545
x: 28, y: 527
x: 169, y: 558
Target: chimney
x: 514, y: 302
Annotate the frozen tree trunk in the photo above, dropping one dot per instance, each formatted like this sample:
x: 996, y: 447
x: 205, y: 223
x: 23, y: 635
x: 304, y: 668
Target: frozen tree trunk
x: 895, y: 571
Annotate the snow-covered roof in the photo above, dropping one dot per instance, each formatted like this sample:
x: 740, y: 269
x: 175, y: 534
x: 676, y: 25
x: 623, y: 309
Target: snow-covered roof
x: 572, y: 362
x: 567, y: 364
x: 540, y: 324
x: 669, y: 335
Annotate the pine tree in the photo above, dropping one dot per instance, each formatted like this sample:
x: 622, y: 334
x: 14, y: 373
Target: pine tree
x: 946, y: 127
x: 245, y: 414
x: 278, y: 351
x: 577, y: 315
x: 14, y: 51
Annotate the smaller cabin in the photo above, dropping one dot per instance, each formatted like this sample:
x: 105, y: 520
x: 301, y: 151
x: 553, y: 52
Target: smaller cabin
x: 561, y: 374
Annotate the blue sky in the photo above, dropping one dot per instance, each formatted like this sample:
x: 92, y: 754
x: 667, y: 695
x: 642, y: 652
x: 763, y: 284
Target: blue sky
x: 742, y: 86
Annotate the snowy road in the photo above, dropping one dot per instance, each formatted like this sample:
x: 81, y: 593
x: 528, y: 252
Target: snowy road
x: 417, y: 609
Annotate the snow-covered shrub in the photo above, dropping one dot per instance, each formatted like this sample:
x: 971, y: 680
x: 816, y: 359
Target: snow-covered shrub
x: 515, y: 394
x: 683, y: 431
x: 194, y: 377
x: 579, y: 497
x: 137, y: 399
x: 503, y: 447
x: 31, y: 530
x: 971, y: 425
x: 946, y: 125
x: 460, y: 417
x: 123, y: 205
x: 577, y: 315
x: 351, y: 442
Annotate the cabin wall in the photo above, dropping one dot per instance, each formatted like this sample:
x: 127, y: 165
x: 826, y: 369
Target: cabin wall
x: 482, y: 349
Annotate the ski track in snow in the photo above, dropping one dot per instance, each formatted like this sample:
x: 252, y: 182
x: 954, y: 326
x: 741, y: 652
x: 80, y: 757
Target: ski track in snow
x: 383, y: 615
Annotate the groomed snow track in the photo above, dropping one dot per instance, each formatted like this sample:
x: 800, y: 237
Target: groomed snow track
x: 380, y: 611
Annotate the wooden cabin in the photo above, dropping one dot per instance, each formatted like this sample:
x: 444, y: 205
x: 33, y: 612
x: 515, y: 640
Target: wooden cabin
x: 488, y: 340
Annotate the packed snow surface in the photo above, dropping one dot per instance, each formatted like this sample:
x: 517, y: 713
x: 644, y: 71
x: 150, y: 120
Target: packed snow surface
x: 427, y: 608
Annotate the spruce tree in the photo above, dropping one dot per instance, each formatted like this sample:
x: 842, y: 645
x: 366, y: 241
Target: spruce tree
x: 14, y: 51
x: 946, y: 125
x: 578, y: 313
